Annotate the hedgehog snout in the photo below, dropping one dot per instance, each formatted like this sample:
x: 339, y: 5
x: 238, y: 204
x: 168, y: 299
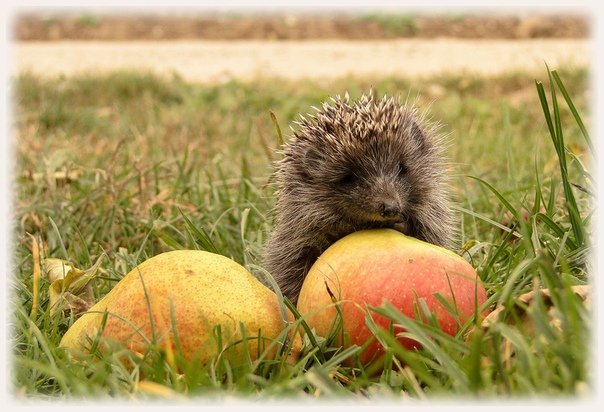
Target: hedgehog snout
x: 388, y: 201
x: 389, y: 208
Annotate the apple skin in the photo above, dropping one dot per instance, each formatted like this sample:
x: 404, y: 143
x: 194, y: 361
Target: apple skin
x: 198, y: 290
x: 369, y: 267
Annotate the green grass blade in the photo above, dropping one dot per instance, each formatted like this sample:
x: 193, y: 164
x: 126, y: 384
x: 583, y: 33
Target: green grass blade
x: 555, y: 129
x: 574, y: 111
x: 203, y: 238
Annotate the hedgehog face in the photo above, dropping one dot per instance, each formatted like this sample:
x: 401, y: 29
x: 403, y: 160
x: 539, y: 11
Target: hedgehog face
x: 371, y: 183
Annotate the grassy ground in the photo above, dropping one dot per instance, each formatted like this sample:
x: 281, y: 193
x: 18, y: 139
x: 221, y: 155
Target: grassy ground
x: 132, y: 165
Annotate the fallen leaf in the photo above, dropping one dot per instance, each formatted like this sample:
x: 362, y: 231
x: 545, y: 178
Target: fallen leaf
x: 70, y: 287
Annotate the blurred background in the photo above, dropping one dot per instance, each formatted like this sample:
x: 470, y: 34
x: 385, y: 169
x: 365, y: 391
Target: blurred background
x: 211, y: 46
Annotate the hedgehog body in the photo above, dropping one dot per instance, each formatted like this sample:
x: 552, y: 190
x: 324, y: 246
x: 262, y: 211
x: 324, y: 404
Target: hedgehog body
x: 353, y: 166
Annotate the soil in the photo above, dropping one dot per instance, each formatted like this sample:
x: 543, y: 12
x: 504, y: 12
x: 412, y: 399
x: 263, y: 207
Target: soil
x: 300, y: 26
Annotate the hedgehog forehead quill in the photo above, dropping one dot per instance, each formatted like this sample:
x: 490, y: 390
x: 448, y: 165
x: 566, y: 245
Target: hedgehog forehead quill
x: 366, y: 114
x: 343, y: 126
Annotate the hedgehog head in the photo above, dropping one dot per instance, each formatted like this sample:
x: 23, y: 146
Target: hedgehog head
x: 365, y: 143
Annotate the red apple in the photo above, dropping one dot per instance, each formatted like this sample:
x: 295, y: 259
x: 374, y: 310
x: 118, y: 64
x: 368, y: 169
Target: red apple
x: 369, y: 267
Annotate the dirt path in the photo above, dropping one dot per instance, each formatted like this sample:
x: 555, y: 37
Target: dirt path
x: 217, y: 61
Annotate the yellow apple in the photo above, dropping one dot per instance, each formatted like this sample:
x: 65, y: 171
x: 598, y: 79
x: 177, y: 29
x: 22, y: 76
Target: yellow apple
x: 370, y: 267
x: 181, y: 296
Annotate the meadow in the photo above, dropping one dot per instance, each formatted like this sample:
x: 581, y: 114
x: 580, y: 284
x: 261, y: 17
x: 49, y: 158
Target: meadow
x: 131, y: 164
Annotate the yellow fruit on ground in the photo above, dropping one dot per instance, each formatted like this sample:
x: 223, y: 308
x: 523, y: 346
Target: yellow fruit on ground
x: 181, y: 296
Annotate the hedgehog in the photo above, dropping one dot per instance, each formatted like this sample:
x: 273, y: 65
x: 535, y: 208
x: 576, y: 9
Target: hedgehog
x: 351, y: 166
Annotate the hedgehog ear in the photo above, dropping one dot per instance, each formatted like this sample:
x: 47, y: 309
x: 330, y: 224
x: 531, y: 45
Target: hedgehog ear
x: 417, y: 134
x: 313, y: 160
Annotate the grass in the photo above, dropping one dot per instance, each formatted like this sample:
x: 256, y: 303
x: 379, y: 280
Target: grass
x: 131, y: 165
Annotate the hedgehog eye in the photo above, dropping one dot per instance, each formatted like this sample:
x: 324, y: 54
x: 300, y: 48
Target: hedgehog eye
x: 347, y: 179
x: 402, y: 169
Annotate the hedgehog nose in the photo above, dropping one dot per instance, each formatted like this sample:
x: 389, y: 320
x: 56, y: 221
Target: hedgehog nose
x: 389, y: 208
